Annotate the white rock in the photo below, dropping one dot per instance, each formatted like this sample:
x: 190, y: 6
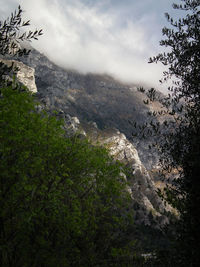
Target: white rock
x: 25, y: 74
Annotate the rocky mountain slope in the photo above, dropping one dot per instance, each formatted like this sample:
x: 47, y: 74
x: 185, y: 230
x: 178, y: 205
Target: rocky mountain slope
x: 99, y: 108
x: 97, y: 98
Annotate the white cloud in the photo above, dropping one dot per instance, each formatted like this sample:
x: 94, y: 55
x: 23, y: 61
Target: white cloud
x: 91, y: 38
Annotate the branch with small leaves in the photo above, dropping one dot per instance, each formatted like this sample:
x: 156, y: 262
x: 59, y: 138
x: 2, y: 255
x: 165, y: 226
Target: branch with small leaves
x: 12, y: 34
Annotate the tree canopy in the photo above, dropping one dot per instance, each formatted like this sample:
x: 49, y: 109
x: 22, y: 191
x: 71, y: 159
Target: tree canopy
x: 63, y: 201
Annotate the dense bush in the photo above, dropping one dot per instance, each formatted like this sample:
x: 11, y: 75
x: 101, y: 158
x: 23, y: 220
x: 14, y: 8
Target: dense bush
x: 63, y: 201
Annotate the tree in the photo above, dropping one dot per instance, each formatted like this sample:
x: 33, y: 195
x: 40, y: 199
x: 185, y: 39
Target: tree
x: 63, y: 201
x: 179, y: 135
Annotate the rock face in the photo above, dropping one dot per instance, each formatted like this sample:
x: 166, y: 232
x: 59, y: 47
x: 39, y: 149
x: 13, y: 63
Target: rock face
x: 97, y: 98
x: 25, y: 74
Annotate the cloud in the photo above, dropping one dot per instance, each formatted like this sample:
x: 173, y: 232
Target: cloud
x: 104, y: 36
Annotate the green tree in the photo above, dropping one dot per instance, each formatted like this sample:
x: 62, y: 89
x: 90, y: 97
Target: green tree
x: 63, y: 201
x: 179, y: 135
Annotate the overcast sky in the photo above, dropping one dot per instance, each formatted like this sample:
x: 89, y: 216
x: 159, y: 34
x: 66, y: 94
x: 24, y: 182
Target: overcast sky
x: 102, y: 36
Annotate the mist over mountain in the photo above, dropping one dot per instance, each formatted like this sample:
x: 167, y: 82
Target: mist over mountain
x: 112, y: 37
x: 97, y: 98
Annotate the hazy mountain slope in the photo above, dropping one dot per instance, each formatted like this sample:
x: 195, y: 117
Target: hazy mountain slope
x: 93, y: 97
x: 90, y: 97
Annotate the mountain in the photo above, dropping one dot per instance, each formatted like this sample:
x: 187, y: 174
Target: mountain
x: 98, y: 98
x: 100, y: 108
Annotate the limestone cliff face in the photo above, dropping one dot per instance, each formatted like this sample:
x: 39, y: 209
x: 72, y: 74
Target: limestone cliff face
x: 24, y: 74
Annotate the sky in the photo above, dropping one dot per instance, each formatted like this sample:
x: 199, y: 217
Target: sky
x: 115, y: 37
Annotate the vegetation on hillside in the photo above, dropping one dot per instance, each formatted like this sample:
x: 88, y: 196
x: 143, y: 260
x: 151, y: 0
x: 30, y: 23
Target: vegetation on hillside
x: 63, y: 201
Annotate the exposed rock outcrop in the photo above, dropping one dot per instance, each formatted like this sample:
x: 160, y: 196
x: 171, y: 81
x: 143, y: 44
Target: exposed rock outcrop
x: 24, y: 74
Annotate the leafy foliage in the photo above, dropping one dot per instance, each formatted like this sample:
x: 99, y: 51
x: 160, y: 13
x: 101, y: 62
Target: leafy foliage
x: 178, y: 136
x: 63, y: 201
x: 12, y: 35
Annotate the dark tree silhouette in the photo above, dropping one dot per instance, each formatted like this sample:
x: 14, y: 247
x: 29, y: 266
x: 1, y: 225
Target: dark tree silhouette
x: 12, y: 35
x: 178, y: 138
